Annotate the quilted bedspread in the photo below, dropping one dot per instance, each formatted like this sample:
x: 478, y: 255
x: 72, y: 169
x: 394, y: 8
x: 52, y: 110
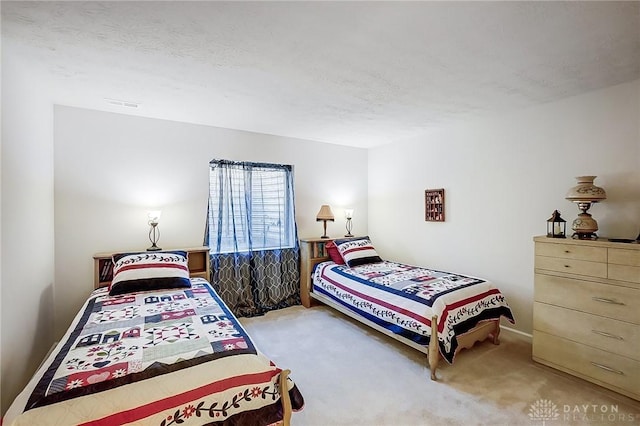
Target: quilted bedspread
x: 403, y: 298
x: 162, y: 357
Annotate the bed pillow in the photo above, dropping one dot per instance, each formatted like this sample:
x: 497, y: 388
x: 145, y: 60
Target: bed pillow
x: 358, y: 251
x: 149, y: 271
x: 333, y: 252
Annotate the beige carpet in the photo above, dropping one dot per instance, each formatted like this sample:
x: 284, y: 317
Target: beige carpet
x: 352, y: 375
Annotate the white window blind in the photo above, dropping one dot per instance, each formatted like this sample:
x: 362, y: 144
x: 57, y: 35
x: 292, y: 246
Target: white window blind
x: 250, y: 206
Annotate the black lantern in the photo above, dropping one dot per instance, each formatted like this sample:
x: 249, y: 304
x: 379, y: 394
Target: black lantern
x: 556, y: 226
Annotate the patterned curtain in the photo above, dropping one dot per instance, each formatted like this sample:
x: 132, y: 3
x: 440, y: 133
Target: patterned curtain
x: 252, y: 235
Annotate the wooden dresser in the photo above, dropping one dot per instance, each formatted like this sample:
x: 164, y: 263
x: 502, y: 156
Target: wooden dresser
x: 586, y: 315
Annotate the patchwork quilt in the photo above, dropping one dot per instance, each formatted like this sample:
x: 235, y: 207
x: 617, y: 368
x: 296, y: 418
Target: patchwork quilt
x: 403, y: 298
x: 162, y: 357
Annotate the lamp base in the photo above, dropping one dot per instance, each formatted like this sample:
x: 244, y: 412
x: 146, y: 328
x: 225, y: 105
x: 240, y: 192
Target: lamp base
x: 154, y: 236
x: 584, y: 226
x: 348, y: 235
x: 324, y: 229
x: 584, y: 236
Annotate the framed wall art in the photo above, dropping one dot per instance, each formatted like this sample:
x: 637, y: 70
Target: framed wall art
x: 434, y: 205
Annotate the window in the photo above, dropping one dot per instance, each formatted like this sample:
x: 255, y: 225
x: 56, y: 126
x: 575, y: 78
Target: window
x: 250, y: 206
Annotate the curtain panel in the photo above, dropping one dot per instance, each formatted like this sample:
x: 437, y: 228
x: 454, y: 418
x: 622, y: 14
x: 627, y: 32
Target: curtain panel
x: 252, y: 235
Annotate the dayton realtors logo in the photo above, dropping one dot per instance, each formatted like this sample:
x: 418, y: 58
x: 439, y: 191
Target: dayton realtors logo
x: 544, y: 410
x: 596, y: 413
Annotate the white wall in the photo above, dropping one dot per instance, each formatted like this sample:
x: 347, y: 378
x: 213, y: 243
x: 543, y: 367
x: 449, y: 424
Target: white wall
x: 110, y: 169
x: 27, y: 223
x: 503, y: 177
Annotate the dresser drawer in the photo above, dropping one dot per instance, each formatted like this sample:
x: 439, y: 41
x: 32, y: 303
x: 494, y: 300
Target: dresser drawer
x: 619, y: 337
x: 606, y: 300
x: 571, y: 251
x: 624, y: 257
x: 624, y: 273
x: 572, y: 266
x: 624, y: 265
x: 602, y: 366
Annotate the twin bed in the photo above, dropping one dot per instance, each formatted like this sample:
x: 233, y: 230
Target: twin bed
x: 406, y: 302
x: 159, y: 347
x: 156, y: 347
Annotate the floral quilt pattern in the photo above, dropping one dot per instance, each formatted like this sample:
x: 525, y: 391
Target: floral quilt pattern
x: 403, y: 299
x: 125, y: 338
x: 423, y: 283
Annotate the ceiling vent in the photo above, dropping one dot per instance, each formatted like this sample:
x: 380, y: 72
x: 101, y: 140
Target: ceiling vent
x: 121, y: 103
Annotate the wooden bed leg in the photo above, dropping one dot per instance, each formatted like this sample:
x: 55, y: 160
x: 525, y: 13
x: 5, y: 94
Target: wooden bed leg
x: 285, y: 398
x: 433, y: 354
x: 496, y: 333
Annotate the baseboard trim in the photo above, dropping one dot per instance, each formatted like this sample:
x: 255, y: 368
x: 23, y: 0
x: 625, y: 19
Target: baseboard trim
x: 527, y: 336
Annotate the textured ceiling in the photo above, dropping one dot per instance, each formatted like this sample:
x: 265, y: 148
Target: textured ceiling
x: 352, y: 73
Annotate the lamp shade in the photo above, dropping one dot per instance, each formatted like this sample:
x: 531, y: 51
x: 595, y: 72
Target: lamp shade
x: 325, y: 213
x: 586, y: 191
x: 348, y: 213
x: 154, y: 216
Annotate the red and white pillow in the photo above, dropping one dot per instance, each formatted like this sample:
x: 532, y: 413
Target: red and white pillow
x: 149, y: 271
x: 357, y: 251
x: 333, y: 252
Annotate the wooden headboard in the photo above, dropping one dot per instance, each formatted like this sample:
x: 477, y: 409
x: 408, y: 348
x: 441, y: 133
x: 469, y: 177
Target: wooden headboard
x: 197, y: 261
x: 312, y: 252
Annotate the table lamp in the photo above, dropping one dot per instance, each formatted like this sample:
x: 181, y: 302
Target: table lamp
x: 154, y: 233
x: 585, y: 193
x: 325, y: 214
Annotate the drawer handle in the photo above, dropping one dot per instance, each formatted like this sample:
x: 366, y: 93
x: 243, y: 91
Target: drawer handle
x: 605, y: 300
x: 604, y: 367
x: 567, y: 266
x: 567, y: 251
x: 605, y: 334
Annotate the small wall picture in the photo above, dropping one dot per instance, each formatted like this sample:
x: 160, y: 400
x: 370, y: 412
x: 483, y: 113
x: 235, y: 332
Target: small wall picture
x: 434, y: 205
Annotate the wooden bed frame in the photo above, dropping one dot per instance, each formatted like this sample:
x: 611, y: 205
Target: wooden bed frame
x: 285, y: 398
x: 313, y: 252
x: 198, y: 262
